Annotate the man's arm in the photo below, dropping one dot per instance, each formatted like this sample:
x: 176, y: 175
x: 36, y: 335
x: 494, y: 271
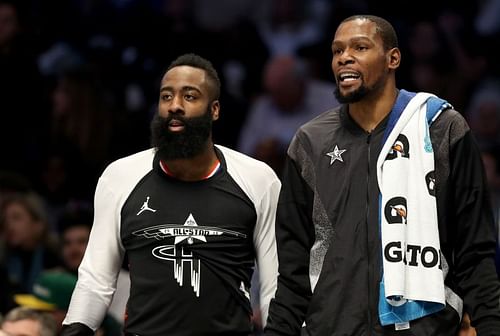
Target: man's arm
x: 474, y: 249
x: 99, y: 269
x: 265, y: 247
x: 295, y: 237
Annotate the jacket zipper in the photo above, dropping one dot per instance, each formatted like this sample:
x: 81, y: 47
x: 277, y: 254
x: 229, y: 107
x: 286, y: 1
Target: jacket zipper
x: 367, y: 210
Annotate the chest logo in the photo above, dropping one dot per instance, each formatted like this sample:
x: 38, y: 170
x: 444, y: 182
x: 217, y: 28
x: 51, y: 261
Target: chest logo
x: 336, y: 154
x: 145, y: 207
x: 178, y: 253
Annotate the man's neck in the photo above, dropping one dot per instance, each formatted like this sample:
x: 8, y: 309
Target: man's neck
x: 192, y: 169
x: 372, y: 110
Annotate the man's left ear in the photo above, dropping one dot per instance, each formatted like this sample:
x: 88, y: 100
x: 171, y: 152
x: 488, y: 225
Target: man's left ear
x: 394, y: 58
x: 215, y: 110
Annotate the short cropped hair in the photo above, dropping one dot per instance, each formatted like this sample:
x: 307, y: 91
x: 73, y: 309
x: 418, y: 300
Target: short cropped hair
x: 384, y: 29
x: 76, y: 217
x: 47, y: 323
x: 199, y: 62
x: 31, y: 201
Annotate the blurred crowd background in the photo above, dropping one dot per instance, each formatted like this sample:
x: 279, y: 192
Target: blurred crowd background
x: 79, y: 83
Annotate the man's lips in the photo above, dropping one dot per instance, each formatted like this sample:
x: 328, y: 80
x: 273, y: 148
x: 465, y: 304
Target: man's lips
x: 348, y: 77
x: 175, y: 125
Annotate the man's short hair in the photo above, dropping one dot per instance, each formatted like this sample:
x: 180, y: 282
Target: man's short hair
x: 384, y: 28
x: 75, y: 217
x: 199, y: 62
x: 31, y: 201
x: 47, y: 323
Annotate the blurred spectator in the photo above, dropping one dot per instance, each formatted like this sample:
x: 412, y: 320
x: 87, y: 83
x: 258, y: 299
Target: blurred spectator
x: 291, y: 99
x: 483, y: 113
x: 79, y: 138
x: 291, y: 25
x: 12, y: 182
x: 444, y: 56
x: 28, y: 322
x: 75, y: 225
x: 428, y: 65
x: 61, y: 181
x: 52, y: 292
x: 491, y: 161
x: 82, y: 116
x: 59, y: 58
x: 207, y: 13
x: 487, y: 20
x: 470, y: 61
x: 29, y: 246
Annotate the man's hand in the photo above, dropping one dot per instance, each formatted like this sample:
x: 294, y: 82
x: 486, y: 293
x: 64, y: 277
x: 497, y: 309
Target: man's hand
x: 465, y: 328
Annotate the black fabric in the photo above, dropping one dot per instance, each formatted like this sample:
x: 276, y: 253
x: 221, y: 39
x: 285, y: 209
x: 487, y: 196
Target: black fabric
x: 158, y: 302
x: 76, y: 329
x: 343, y: 196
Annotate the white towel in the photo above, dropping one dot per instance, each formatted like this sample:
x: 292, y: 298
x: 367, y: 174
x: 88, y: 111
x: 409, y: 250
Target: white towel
x: 408, y: 213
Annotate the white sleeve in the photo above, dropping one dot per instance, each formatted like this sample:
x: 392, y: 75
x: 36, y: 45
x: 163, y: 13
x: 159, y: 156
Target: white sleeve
x: 101, y: 264
x: 265, y: 247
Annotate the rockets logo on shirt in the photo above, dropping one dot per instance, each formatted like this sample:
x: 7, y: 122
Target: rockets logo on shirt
x: 189, y: 232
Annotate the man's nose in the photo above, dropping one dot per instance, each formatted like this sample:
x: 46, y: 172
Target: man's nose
x: 345, y: 57
x: 176, y: 105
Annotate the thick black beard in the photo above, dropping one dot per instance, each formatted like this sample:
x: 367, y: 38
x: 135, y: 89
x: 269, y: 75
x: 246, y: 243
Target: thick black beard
x: 352, y: 97
x: 187, y: 144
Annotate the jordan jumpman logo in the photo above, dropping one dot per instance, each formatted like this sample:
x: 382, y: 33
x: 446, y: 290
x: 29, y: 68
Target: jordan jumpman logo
x: 145, y: 207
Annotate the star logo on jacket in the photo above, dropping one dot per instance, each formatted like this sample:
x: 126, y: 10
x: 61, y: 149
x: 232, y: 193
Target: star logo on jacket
x: 336, y: 154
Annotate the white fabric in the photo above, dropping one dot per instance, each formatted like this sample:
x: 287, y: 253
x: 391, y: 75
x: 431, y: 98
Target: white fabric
x: 100, y: 267
x: 118, y: 305
x: 412, y: 243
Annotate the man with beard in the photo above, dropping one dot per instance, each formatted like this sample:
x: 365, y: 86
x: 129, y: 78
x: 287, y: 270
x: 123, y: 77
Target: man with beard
x: 192, y: 218
x: 384, y: 225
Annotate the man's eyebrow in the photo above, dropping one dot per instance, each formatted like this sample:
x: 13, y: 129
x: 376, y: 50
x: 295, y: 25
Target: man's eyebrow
x: 184, y: 88
x: 359, y: 39
x: 352, y: 40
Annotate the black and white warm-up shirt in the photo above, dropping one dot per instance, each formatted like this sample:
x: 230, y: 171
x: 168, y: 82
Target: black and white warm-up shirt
x: 191, y: 246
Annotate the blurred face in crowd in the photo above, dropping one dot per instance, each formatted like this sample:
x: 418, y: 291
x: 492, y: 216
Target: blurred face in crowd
x: 74, y: 243
x: 424, y: 42
x: 487, y: 122
x: 360, y: 63
x: 183, y: 125
x: 9, y: 25
x: 21, y: 228
x: 24, y: 327
x: 285, y: 83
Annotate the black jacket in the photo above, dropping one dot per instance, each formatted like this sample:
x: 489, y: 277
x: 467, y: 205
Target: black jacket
x: 328, y: 235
